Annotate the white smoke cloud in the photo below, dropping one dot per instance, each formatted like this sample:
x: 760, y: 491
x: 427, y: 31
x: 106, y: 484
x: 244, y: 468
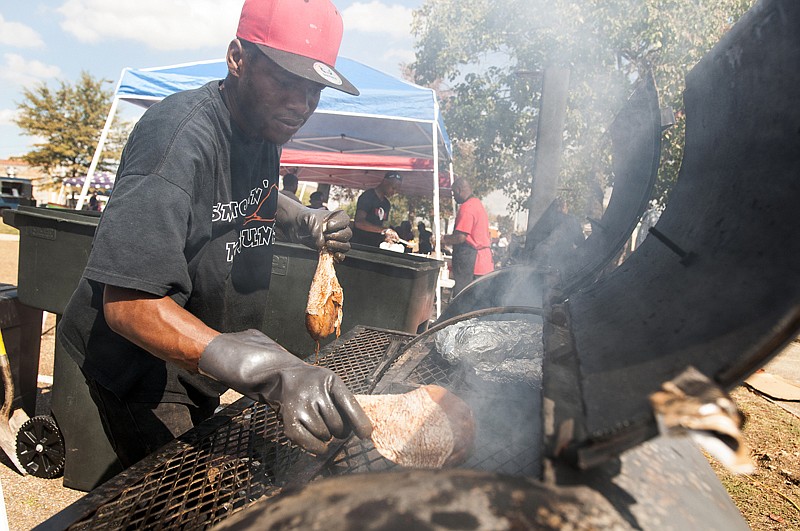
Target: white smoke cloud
x: 19, y: 35
x: 159, y: 24
x: 376, y: 17
x: 17, y: 70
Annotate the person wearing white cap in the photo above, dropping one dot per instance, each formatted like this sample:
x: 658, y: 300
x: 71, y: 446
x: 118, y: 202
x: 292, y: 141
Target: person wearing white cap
x: 372, y: 211
x: 167, y: 313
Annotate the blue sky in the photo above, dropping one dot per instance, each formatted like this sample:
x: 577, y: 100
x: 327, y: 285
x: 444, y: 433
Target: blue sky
x: 54, y: 40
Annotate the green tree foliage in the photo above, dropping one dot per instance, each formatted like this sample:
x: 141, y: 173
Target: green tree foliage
x: 491, y: 55
x: 69, y: 120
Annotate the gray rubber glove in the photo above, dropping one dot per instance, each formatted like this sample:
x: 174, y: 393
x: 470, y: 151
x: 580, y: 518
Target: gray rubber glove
x: 315, y: 228
x: 313, y: 402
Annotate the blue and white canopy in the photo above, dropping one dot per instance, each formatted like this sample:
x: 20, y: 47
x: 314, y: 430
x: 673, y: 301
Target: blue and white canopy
x: 390, y: 117
x: 349, y: 141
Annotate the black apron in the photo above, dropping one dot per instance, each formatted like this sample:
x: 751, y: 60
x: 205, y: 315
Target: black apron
x: 463, y: 266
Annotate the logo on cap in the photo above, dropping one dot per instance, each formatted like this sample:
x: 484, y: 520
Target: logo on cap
x: 327, y: 74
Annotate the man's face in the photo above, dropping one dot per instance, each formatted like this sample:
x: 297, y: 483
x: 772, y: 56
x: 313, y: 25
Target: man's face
x: 274, y: 102
x: 460, y: 192
x: 392, y: 187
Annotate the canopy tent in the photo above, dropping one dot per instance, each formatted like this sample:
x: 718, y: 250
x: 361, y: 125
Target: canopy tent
x: 349, y: 141
x: 393, y: 124
x: 102, y: 180
x: 391, y: 118
x: 355, y: 170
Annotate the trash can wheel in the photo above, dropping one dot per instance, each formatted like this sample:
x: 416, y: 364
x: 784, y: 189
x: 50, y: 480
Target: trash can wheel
x: 40, y: 447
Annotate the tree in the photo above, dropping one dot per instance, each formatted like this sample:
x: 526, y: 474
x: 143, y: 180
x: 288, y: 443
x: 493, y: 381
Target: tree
x: 69, y: 120
x: 492, y: 54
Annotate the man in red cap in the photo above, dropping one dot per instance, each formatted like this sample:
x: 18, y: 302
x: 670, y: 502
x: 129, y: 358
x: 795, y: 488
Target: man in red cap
x: 167, y: 313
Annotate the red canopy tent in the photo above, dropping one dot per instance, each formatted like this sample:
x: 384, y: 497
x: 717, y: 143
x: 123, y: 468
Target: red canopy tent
x: 354, y: 170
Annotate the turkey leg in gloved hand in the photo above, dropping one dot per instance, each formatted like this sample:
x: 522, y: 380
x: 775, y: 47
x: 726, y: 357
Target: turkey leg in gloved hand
x: 313, y: 402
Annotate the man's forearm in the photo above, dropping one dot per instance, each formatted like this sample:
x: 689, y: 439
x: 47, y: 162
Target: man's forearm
x: 158, y: 325
x: 454, y: 239
x: 366, y: 226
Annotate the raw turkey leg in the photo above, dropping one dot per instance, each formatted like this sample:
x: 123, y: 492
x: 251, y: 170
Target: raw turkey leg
x: 428, y: 427
x: 325, y: 299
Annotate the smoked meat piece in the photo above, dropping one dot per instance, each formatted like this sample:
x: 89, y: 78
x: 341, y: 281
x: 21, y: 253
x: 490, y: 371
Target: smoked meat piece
x: 325, y: 299
x: 428, y: 427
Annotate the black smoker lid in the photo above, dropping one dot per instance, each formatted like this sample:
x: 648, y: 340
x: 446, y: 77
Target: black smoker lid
x: 716, y: 285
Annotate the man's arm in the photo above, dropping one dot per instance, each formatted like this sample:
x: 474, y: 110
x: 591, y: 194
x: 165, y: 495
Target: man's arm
x: 362, y: 223
x: 313, y: 402
x: 158, y: 325
x: 454, y: 239
x: 315, y: 228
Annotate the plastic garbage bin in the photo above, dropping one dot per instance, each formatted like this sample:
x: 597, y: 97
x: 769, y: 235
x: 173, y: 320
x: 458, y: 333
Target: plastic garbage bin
x: 90, y: 460
x: 54, y: 249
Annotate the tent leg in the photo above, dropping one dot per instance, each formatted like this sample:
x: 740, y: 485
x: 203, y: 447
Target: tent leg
x: 97, y: 152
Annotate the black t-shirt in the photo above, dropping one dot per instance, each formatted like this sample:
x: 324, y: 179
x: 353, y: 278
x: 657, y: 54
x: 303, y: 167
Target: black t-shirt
x: 191, y: 217
x: 425, y: 246
x: 377, y: 210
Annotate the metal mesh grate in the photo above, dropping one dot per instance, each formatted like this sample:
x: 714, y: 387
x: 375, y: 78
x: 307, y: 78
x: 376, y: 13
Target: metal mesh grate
x: 504, y: 443
x: 224, y: 465
x: 240, y: 455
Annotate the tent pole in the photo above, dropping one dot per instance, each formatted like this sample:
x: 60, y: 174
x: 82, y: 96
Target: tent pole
x: 97, y: 152
x: 436, y: 213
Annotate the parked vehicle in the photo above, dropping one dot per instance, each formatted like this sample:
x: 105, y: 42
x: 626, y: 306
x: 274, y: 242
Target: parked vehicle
x: 15, y: 191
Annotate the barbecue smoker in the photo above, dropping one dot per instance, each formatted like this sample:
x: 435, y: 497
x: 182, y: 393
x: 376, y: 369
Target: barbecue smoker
x: 715, y: 288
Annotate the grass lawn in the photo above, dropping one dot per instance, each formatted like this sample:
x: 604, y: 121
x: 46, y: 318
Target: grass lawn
x: 7, y: 229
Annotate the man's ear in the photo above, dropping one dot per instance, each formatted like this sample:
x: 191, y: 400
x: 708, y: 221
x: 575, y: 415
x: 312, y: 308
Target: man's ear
x: 235, y: 58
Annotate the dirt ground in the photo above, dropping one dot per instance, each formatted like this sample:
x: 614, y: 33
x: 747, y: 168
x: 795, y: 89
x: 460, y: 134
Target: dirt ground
x: 768, y: 499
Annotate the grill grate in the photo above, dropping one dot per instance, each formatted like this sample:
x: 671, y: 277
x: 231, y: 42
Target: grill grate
x: 222, y: 466
x: 503, y: 443
x: 240, y: 455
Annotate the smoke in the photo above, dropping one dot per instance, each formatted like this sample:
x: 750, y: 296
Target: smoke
x: 498, y: 366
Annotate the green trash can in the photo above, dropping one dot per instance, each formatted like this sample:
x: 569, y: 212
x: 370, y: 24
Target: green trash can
x: 54, y: 247
x: 53, y: 250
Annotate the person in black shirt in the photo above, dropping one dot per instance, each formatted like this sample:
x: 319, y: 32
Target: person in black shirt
x: 372, y: 211
x: 167, y: 313
x: 425, y: 245
x: 290, y: 187
x: 316, y: 200
x: 405, y: 232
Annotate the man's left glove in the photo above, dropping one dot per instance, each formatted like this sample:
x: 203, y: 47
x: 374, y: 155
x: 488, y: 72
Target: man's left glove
x: 315, y: 228
x: 313, y: 402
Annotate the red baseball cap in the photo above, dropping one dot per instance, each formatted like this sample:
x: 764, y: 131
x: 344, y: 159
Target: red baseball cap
x: 302, y: 36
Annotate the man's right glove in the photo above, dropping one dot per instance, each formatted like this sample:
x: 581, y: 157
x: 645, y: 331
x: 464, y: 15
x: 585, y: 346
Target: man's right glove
x: 315, y: 228
x: 313, y: 402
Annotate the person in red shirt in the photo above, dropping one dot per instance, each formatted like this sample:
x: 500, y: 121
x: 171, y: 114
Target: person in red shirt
x: 472, y: 255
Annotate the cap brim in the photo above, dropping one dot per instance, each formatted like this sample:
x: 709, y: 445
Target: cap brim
x: 310, y: 69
